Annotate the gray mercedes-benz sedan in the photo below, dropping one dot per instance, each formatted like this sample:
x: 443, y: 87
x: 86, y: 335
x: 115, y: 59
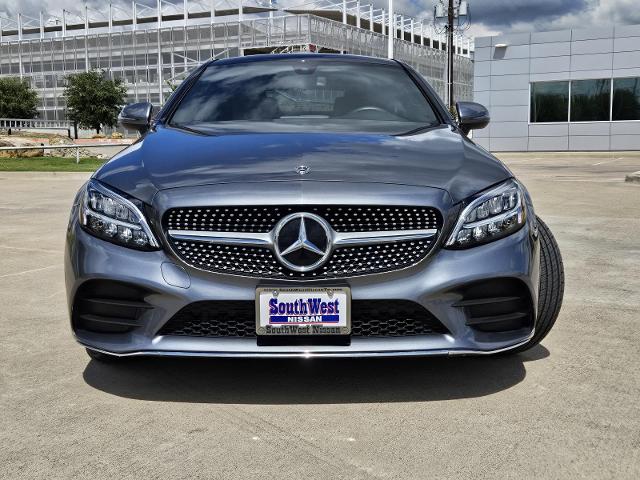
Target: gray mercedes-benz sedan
x: 307, y: 205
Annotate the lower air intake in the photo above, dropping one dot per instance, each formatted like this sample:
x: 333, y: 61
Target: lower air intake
x: 105, y: 306
x: 498, y: 305
x: 369, y: 318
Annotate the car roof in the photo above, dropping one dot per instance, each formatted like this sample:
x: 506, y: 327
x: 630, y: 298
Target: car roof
x: 294, y: 56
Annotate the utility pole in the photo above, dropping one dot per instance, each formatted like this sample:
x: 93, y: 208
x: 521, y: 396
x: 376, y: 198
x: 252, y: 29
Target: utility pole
x: 450, y: 17
x: 392, y: 30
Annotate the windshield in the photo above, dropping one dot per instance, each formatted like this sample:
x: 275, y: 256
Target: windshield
x: 305, y: 95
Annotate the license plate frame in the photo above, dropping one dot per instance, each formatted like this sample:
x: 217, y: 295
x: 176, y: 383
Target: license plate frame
x: 269, y: 326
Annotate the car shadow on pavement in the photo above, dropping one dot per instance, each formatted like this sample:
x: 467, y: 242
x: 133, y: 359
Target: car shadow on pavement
x: 309, y: 381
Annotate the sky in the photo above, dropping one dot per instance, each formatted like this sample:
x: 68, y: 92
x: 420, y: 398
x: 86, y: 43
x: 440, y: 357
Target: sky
x: 487, y: 17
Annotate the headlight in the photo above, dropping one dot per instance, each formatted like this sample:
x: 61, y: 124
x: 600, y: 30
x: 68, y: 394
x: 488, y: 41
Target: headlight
x: 492, y: 215
x: 110, y: 216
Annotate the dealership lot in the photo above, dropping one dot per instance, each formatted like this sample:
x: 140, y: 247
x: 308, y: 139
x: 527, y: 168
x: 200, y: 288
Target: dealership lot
x: 567, y: 409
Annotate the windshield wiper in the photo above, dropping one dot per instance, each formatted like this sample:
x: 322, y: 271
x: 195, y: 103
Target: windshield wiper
x: 187, y: 129
x: 419, y: 129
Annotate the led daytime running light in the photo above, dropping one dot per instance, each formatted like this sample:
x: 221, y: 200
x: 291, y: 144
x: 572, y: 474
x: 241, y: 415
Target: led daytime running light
x: 495, y: 214
x: 111, y: 216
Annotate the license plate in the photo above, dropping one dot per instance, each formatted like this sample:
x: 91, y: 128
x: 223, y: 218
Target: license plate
x: 303, y: 311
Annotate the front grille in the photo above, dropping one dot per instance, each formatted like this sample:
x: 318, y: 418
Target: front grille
x: 262, y: 219
x: 237, y: 319
x: 261, y: 262
x: 392, y: 318
x: 221, y: 318
x: 346, y: 261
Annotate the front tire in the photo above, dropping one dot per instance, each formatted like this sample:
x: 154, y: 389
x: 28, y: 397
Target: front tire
x: 551, y: 289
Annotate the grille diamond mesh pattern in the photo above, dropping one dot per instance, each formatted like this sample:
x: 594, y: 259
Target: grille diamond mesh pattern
x: 261, y: 219
x: 375, y: 259
x: 261, y: 262
x: 230, y: 258
x: 236, y: 319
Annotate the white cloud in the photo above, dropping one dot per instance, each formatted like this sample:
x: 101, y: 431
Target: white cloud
x: 597, y: 14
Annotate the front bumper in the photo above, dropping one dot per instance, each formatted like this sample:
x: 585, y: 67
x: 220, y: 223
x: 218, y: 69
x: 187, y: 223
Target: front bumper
x: 432, y: 283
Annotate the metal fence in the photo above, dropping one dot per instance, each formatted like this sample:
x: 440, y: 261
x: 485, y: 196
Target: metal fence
x: 19, y: 123
x: 64, y: 147
x: 10, y: 124
x: 429, y: 62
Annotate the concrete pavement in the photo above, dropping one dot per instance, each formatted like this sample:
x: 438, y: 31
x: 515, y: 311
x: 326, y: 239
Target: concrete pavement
x: 567, y: 409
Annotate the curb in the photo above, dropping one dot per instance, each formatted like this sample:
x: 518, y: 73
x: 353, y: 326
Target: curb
x: 633, y: 177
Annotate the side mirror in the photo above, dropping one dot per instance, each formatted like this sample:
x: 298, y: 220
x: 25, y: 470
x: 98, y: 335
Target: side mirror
x: 136, y: 116
x: 472, y: 116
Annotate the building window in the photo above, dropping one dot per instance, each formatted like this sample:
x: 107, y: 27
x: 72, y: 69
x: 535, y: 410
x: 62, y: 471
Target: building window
x: 590, y: 100
x: 626, y: 99
x: 549, y: 102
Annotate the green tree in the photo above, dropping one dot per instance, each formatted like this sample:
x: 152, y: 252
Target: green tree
x: 94, y: 101
x: 17, y: 99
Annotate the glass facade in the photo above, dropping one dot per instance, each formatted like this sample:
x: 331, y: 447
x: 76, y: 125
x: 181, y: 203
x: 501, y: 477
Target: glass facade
x: 589, y: 100
x: 626, y: 99
x: 549, y: 102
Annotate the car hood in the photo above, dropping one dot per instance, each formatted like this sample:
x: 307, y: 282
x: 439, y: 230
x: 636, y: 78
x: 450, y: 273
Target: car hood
x: 168, y: 158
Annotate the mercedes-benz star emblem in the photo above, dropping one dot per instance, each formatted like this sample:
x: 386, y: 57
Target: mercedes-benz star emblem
x: 302, y: 170
x: 302, y: 241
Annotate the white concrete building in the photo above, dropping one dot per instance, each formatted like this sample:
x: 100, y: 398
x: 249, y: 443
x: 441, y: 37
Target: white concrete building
x: 563, y: 90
